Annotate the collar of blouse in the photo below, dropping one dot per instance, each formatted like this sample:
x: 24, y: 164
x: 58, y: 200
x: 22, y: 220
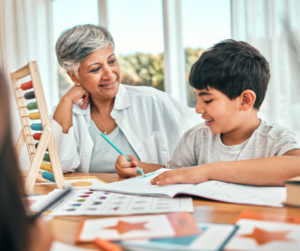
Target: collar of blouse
x: 122, y: 102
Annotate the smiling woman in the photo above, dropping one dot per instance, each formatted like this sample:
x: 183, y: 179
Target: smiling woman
x: 141, y: 121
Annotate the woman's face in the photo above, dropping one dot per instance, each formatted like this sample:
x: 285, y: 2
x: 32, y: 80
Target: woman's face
x: 100, y: 74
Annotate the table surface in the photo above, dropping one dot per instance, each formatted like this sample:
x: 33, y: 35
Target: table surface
x: 65, y: 227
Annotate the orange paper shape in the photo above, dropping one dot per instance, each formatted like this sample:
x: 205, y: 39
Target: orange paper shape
x: 124, y: 227
x: 262, y: 237
x: 267, y: 217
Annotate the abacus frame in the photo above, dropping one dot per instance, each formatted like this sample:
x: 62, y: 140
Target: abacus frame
x: 47, y: 138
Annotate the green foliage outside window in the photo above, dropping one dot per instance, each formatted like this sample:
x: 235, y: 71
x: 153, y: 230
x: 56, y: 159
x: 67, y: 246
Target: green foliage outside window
x: 143, y: 69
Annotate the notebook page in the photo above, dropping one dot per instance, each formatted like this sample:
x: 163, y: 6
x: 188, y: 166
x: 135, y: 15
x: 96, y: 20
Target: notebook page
x: 241, y: 194
x: 142, y: 186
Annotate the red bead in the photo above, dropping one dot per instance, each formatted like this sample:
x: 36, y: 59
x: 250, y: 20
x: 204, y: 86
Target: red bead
x: 26, y: 86
x: 37, y: 136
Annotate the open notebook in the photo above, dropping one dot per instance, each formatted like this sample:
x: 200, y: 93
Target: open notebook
x: 215, y: 190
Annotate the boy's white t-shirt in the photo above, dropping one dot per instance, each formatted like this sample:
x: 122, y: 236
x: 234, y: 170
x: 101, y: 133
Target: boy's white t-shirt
x: 200, y: 146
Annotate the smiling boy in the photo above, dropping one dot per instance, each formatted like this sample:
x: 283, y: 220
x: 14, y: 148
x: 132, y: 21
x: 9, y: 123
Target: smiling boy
x: 230, y: 81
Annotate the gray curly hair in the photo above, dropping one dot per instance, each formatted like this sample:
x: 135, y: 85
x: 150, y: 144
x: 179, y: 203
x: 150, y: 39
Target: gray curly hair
x: 76, y: 44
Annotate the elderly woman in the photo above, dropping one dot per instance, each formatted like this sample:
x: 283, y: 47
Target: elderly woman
x: 141, y: 121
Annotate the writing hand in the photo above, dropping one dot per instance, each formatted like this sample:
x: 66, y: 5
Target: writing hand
x: 124, y: 168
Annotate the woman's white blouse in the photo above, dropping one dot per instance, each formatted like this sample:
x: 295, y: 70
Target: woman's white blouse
x: 152, y: 121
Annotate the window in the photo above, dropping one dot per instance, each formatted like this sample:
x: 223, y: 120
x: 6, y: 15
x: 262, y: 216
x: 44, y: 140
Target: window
x: 67, y: 14
x: 137, y: 29
x: 204, y: 24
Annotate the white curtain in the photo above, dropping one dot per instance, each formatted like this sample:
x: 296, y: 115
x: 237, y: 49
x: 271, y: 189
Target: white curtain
x: 261, y: 23
x: 26, y: 34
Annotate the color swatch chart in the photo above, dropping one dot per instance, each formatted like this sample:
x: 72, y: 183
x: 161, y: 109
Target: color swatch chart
x: 87, y: 202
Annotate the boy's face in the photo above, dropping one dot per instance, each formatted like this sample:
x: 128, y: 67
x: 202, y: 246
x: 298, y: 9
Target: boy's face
x: 220, y: 113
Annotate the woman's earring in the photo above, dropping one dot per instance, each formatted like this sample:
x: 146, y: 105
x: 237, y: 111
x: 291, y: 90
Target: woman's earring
x: 78, y: 84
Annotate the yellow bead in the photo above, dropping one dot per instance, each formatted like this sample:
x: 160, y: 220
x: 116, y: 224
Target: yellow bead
x: 46, y: 166
x: 34, y: 115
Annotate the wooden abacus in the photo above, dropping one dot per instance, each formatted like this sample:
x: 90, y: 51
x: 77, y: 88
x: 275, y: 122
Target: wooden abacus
x: 36, y: 151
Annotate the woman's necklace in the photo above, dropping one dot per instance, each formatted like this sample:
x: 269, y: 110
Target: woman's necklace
x: 107, y: 125
x: 105, y: 132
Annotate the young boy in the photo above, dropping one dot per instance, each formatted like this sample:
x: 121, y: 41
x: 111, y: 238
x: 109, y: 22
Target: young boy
x: 233, y: 144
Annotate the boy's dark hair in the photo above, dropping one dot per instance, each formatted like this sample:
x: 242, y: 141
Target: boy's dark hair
x: 232, y: 67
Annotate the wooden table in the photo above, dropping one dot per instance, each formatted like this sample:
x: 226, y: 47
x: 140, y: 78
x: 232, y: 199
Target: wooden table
x: 65, y: 227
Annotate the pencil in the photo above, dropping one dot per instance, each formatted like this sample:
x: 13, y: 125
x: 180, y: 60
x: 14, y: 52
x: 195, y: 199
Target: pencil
x: 120, y: 152
x: 33, y: 217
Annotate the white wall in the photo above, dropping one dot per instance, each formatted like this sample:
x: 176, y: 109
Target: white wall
x: 26, y: 35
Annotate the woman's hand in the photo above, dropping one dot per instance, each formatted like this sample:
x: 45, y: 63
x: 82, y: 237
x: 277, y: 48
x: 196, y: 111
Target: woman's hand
x: 76, y: 93
x: 63, y: 112
x: 184, y: 175
x: 125, y: 168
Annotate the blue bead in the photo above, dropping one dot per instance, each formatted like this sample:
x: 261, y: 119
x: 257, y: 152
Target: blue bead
x: 48, y: 176
x: 37, y: 127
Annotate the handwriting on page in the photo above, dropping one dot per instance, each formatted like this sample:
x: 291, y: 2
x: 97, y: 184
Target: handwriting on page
x: 237, y: 193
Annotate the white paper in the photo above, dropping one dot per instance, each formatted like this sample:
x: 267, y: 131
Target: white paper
x: 287, y: 239
x: 241, y: 194
x: 216, y: 190
x: 33, y: 199
x: 141, y: 186
x: 151, y: 226
x: 87, y: 202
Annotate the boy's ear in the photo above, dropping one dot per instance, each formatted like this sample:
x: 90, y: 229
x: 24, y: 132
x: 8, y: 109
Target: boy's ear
x: 73, y: 77
x: 248, y: 98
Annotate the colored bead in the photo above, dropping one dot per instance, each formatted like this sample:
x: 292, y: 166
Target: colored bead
x: 34, y: 115
x: 29, y: 95
x: 37, y: 127
x: 46, y: 157
x: 47, y: 167
x: 32, y: 106
x: 26, y: 86
x: 36, y: 145
x: 37, y: 136
x: 48, y: 176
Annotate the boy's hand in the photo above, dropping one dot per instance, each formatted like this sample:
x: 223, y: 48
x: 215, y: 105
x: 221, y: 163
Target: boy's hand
x: 184, y: 175
x: 125, y: 168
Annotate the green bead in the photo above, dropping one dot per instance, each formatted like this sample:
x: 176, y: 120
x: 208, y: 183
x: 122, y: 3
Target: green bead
x: 32, y: 106
x: 46, y: 157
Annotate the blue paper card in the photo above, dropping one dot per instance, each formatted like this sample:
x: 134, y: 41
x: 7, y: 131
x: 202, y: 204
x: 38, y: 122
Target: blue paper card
x: 214, y: 236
